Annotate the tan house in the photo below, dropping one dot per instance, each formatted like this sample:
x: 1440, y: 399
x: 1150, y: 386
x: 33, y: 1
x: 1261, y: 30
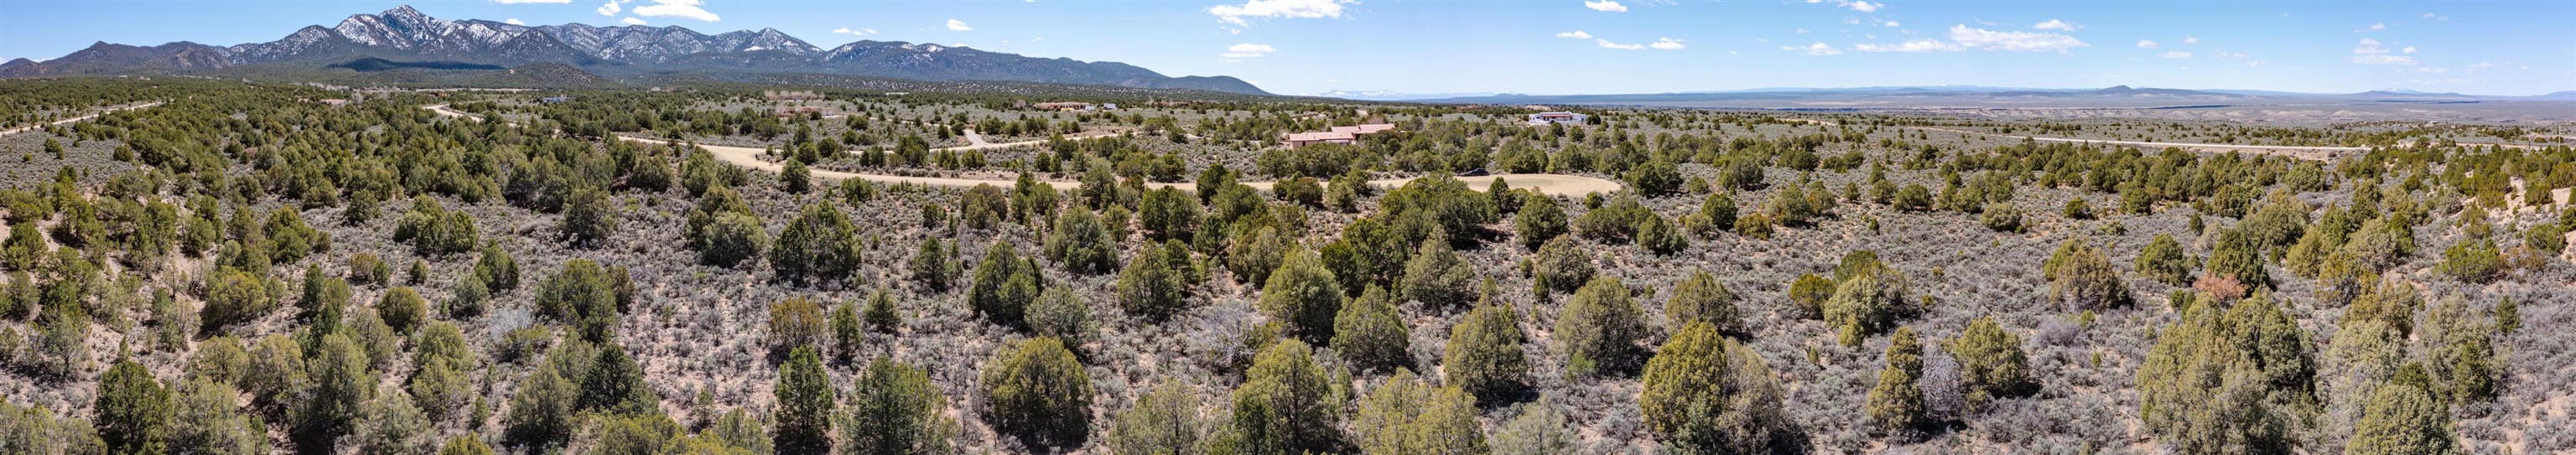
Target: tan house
x: 1323, y: 137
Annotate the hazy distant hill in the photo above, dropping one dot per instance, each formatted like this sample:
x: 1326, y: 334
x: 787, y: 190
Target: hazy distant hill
x: 403, y: 38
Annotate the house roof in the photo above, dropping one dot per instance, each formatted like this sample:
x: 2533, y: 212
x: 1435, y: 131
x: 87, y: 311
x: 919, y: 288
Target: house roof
x: 1319, y: 136
x: 1364, y: 129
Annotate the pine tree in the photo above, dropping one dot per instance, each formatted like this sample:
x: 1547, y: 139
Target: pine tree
x: 1037, y: 392
x: 541, y: 414
x: 1405, y: 416
x: 1600, y: 330
x: 1004, y: 285
x: 1438, y: 278
x: 2403, y: 418
x: 1156, y: 285
x: 1485, y: 356
x: 1896, y: 405
x: 805, y: 405
x: 1991, y: 362
x: 1370, y: 335
x: 615, y: 384
x: 1704, y: 393
x: 133, y: 409
x: 1539, y: 220
x: 1284, y: 404
x: 896, y: 410
x: 1303, y: 297
x: 1082, y: 244
x: 1700, y: 298
x: 1163, y: 421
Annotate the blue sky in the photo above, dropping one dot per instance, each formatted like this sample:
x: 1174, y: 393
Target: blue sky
x: 1552, y: 46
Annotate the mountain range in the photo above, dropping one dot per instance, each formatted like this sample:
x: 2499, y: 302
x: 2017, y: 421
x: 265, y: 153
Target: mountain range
x: 404, y: 38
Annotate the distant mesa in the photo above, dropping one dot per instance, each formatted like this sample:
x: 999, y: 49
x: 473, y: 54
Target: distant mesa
x: 404, y: 38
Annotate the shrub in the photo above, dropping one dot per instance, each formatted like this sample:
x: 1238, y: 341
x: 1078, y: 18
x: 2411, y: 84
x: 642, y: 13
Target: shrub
x: 1004, y: 285
x: 1485, y: 356
x: 1655, y: 178
x: 206, y: 419
x: 820, y: 245
x: 1370, y: 335
x: 2162, y: 260
x: 1991, y: 362
x: 1614, y: 222
x: 1403, y: 415
x: 1809, y: 293
x: 805, y: 398
x: 233, y: 297
x: 2231, y: 380
x: 2080, y: 278
x: 2001, y: 217
x: 2547, y: 238
x: 1081, y: 243
x: 432, y: 230
x: 1561, y: 265
x: 497, y: 269
x: 1167, y: 214
x: 2237, y: 257
x: 2078, y: 209
x: 1896, y: 404
x: 1037, y: 392
x: 1304, y: 191
x: 730, y: 239
x: 402, y: 308
x: 2472, y: 261
x: 1253, y: 256
x: 341, y: 383
x: 1285, y: 403
x: 1700, y: 298
x: 1438, y: 278
x: 1062, y: 315
x: 1163, y: 421
x: 1154, y: 285
x: 895, y: 409
x: 1539, y: 220
x: 1867, y: 301
x: 133, y: 409
x: 589, y: 216
x: 1599, y: 331
x: 794, y: 178
x: 796, y: 322
x: 934, y: 265
x: 1704, y: 393
x: 1303, y: 297
x: 2403, y: 418
x: 583, y: 294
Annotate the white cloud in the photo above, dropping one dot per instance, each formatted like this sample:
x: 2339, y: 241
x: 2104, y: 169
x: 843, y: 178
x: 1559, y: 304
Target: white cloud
x: 1890, y: 24
x: 1814, y: 49
x: 958, y: 26
x: 2369, y: 46
x: 1608, y: 44
x: 2054, y: 24
x: 513, y: 21
x: 632, y: 21
x: 1668, y: 44
x: 1246, y: 50
x: 2432, y: 69
x: 2012, y: 41
x: 2437, y: 17
x: 2483, y: 65
x: 2188, y: 39
x: 2145, y: 44
x: 1607, y: 6
x: 1302, y: 9
x: 609, y: 9
x: 2226, y: 54
x: 1577, y: 34
x: 2408, y: 49
x: 1802, y: 31
x: 1863, y: 6
x: 684, y: 9
x: 1925, y: 45
x: 855, y: 32
x: 2373, y: 27
x: 2377, y: 59
x: 513, y: 2
x: 2175, y: 55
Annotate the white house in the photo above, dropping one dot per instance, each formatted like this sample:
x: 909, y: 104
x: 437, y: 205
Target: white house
x: 1561, y: 118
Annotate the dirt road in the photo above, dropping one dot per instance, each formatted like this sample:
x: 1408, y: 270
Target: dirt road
x: 77, y: 119
x: 2318, y: 153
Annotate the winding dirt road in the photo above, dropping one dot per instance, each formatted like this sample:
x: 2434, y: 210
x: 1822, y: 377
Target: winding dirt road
x: 67, y: 121
x: 1553, y: 184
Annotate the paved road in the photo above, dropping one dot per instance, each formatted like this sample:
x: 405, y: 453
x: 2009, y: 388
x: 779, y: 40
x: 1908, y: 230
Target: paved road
x: 1554, y: 184
x: 67, y: 121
